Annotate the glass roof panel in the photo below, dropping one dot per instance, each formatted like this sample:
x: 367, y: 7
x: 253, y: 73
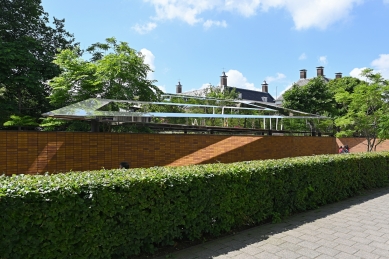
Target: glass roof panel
x: 89, y: 109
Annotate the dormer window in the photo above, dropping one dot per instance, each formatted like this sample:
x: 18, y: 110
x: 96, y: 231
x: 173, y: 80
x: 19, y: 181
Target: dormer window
x: 264, y: 99
x: 240, y: 96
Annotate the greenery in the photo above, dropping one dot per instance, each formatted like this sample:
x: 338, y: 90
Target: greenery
x: 28, y: 43
x: 119, y: 213
x: 115, y: 71
x: 18, y: 121
x: 358, y: 108
x: 366, y: 109
x: 315, y: 98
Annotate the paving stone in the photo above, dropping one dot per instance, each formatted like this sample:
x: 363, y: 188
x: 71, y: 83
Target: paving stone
x: 310, y: 245
x: 377, y: 238
x: 308, y: 252
x: 380, y: 252
x: 326, y: 236
x: 346, y: 248
x: 324, y: 257
x: 327, y: 251
x: 382, y: 246
x: 347, y: 242
x: 309, y: 238
x: 361, y: 240
x: 363, y: 247
x: 292, y: 239
x: 289, y: 246
x: 354, y: 228
x: 271, y: 248
x: 360, y: 234
x: 266, y: 255
x: 343, y: 255
x: 327, y: 243
x: 288, y: 254
x: 366, y: 255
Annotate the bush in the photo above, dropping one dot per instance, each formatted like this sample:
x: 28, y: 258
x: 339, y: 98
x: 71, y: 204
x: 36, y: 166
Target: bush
x: 118, y: 213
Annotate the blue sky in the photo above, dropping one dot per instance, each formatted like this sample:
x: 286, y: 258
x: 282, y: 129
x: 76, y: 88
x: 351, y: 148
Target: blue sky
x: 252, y: 40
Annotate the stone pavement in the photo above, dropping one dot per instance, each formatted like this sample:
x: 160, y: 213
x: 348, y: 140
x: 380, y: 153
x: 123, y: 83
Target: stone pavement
x: 355, y: 228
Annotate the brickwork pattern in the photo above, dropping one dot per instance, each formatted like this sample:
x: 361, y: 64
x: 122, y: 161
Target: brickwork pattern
x: 24, y: 152
x: 360, y: 144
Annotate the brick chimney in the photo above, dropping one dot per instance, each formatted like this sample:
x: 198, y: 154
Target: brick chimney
x: 179, y: 88
x: 223, y: 80
x: 320, y: 71
x: 303, y: 74
x: 265, y: 88
x: 338, y: 75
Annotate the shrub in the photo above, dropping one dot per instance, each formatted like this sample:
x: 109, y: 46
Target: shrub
x: 118, y: 213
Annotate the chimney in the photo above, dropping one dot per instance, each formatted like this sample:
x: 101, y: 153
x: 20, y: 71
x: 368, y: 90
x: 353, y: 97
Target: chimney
x: 179, y: 88
x: 338, y: 75
x: 320, y: 71
x: 303, y: 74
x: 223, y: 80
x: 265, y: 87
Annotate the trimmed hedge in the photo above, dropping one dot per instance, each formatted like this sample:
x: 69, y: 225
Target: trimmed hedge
x: 118, y: 213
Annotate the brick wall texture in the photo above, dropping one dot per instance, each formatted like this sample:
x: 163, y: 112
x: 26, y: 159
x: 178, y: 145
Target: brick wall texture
x: 40, y: 152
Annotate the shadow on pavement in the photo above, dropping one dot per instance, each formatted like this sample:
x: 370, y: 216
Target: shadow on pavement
x: 227, y: 244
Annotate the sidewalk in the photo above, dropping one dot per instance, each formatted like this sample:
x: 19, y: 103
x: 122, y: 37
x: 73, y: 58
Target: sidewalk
x: 355, y: 228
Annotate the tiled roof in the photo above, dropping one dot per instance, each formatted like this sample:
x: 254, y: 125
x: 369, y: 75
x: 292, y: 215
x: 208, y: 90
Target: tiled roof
x: 253, y: 95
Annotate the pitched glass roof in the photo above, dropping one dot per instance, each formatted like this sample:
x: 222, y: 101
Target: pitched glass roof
x: 89, y: 109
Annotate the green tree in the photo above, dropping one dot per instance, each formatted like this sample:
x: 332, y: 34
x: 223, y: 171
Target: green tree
x: 315, y: 97
x: 28, y: 43
x: 367, y: 109
x: 340, y: 85
x: 115, y: 71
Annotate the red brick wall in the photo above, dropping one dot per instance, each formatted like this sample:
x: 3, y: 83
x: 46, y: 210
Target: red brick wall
x: 39, y: 152
x: 360, y: 144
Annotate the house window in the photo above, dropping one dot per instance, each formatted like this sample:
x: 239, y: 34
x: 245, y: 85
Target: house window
x: 240, y: 96
x: 264, y: 99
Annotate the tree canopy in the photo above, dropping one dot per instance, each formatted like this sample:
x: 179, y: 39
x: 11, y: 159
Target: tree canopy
x: 28, y: 43
x: 314, y: 97
x: 115, y: 71
x: 367, y: 109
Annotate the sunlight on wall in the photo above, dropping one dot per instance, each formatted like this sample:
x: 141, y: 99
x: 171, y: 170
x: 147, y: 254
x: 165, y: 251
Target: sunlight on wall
x: 214, y: 150
x: 44, y: 157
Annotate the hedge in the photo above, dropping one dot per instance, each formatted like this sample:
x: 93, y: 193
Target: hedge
x: 118, y: 213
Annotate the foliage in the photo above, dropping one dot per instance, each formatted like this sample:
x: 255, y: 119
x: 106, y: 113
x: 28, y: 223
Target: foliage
x: 28, y: 43
x: 227, y: 93
x: 315, y: 97
x: 366, y: 109
x: 341, y: 85
x: 115, y: 71
x: 20, y: 121
x: 119, y: 213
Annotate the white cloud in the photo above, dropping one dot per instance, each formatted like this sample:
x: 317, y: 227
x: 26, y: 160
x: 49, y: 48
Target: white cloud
x: 149, y: 58
x: 305, y: 14
x: 279, y: 76
x: 381, y: 64
x: 356, y: 72
x: 236, y: 79
x: 318, y: 13
x: 145, y: 28
x: 209, y: 23
x: 323, y: 60
x: 303, y: 56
